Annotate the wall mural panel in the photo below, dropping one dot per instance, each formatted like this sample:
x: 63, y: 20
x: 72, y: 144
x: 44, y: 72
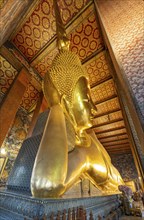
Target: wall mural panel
x: 17, y: 133
x: 112, y: 133
x: 125, y: 160
x: 14, y: 139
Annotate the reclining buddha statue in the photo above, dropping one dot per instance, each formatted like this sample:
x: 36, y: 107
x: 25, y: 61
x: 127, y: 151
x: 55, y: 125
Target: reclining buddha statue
x: 69, y: 149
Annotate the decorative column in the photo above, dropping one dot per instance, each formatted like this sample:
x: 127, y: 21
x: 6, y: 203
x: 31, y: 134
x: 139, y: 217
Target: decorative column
x: 11, y: 103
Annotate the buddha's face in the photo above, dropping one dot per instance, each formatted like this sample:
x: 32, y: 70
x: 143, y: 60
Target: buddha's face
x: 83, y: 107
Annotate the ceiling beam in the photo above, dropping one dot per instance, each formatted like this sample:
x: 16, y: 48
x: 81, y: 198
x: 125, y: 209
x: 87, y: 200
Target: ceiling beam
x: 107, y: 113
x: 114, y: 135
x: 106, y: 99
x: 101, y: 82
x: 94, y: 54
x: 108, y: 78
x: 109, y: 100
x: 115, y: 143
x: 5, y: 52
x: 118, y: 146
x: 111, y: 129
x: 110, y: 141
x: 107, y: 123
x: 114, y: 112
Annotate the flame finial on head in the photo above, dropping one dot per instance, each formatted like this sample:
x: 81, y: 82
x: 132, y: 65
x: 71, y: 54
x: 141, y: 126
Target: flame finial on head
x: 62, y: 39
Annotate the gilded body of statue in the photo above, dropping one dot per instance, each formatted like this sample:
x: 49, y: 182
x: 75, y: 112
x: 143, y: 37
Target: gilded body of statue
x: 67, y: 150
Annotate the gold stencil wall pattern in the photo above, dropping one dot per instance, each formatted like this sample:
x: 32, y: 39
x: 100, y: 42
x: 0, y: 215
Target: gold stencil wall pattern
x: 7, y: 75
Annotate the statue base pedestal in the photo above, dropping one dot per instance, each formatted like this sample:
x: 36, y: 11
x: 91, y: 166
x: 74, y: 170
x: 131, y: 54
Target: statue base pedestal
x: 19, y: 206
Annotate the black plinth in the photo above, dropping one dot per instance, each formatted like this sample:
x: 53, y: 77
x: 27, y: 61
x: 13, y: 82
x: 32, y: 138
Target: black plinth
x: 19, y: 206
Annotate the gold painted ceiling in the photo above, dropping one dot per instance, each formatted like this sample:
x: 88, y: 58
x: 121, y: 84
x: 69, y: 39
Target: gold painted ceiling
x: 34, y: 41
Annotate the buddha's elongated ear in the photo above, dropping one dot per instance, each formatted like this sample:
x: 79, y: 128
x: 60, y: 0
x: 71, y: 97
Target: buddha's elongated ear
x: 50, y: 92
x: 67, y: 108
x: 65, y: 103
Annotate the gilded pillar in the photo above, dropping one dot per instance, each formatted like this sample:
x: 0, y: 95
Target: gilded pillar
x: 11, y: 103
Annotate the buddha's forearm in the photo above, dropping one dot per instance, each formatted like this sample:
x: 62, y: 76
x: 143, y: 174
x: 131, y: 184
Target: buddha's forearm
x: 50, y: 168
x: 76, y: 166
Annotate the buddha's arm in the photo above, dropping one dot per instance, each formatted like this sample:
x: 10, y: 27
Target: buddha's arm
x: 50, y: 168
x: 77, y: 165
x: 114, y: 178
x: 98, y: 170
x: 88, y: 160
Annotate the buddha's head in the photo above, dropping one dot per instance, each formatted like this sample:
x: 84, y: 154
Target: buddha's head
x: 67, y: 83
x: 82, y: 107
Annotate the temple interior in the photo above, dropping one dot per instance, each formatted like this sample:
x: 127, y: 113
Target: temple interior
x: 108, y: 38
